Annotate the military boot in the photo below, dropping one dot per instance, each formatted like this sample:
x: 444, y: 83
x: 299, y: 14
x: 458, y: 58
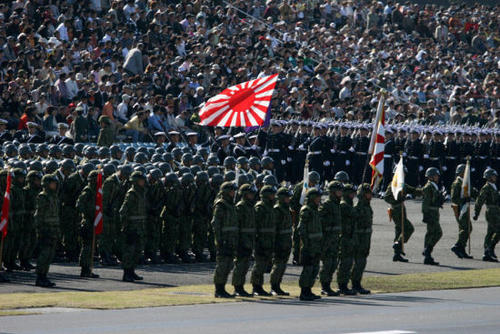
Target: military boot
x: 186, y: 257
x: 428, y: 258
x: 42, y: 281
x: 326, y: 290
x: 135, y: 276
x: 259, y: 291
x: 87, y: 273
x: 106, y: 260
x: 220, y: 292
x: 488, y: 256
x: 458, y: 251
x: 398, y: 253
x: 276, y: 291
x: 305, y: 296
x: 155, y: 259
x: 312, y: 294
x: 344, y: 290
x: 239, y: 291
x: 127, y: 276
x: 27, y: 266
x: 4, y: 279
x: 492, y: 253
x: 172, y: 259
x: 356, y: 286
x: 465, y: 255
x: 201, y: 258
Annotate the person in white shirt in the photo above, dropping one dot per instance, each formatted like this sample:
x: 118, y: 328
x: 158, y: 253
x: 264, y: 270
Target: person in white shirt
x: 63, y: 30
x: 71, y: 85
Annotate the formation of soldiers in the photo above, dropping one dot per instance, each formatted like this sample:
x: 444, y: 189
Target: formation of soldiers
x: 178, y: 202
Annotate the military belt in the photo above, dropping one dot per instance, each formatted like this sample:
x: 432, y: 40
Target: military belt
x: 267, y: 230
x: 364, y: 230
x: 315, y: 152
x: 315, y: 235
x: 288, y: 231
x: 230, y: 229
x: 492, y: 206
x: 274, y: 150
x: 434, y: 159
x: 137, y: 218
x: 51, y: 220
x: 247, y: 230
x: 333, y: 229
x: 451, y: 158
x: 482, y: 157
x: 342, y: 152
x: 434, y: 208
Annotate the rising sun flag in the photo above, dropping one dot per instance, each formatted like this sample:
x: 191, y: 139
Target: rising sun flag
x: 245, y: 104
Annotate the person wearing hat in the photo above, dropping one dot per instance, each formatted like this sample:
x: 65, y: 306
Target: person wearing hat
x: 245, y: 213
x: 28, y: 238
x: 414, y: 154
x: 329, y: 213
x: 133, y: 216
x: 348, y: 223
x: 343, y: 150
x: 61, y: 137
x: 85, y: 206
x: 265, y: 224
x: 192, y: 140
x: 276, y: 146
x: 201, y: 215
x: 4, y: 134
x: 80, y: 125
x: 489, y: 196
x: 47, y: 225
x: 283, y: 240
x: 432, y: 201
x: 311, y: 235
x: 225, y: 225
x: 174, y: 140
x: 106, y: 133
x: 239, y: 149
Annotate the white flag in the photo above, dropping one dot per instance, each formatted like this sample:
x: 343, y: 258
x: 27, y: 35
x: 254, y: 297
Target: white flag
x: 465, y: 191
x: 305, y: 186
x: 398, y: 180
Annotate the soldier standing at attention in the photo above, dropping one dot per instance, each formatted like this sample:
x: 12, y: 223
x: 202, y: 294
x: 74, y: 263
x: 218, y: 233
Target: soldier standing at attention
x: 225, y: 226
x: 310, y: 238
x: 245, y: 214
x: 155, y: 195
x: 489, y: 196
x: 47, y: 222
x: 265, y: 235
x: 201, y: 216
x: 170, y: 215
x: 329, y: 213
x: 362, y: 236
x: 348, y: 221
x: 133, y: 216
x: 85, y: 206
x: 28, y: 240
x: 433, y: 200
x: 283, y: 241
x: 464, y: 226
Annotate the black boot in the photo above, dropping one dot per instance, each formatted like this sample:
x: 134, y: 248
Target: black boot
x: 4, y: 279
x: 458, y: 251
x: 492, y: 253
x: 398, y: 253
x: 326, y: 290
x: 42, y: 281
x: 276, y: 291
x: 135, y: 276
x: 309, y: 291
x: 127, y: 276
x: 155, y: 259
x: 220, y: 292
x: 87, y: 273
x: 356, y: 286
x: 488, y: 257
x: 186, y: 257
x: 428, y: 258
x: 27, y: 266
x: 344, y: 290
x: 397, y: 246
x: 305, y: 296
x: 465, y: 255
x: 172, y: 259
x: 259, y: 291
x: 239, y: 291
x: 295, y: 261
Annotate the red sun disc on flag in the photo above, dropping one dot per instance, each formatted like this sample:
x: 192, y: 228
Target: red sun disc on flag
x: 245, y: 104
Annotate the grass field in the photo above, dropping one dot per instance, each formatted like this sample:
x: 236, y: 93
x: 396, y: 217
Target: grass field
x: 203, y: 294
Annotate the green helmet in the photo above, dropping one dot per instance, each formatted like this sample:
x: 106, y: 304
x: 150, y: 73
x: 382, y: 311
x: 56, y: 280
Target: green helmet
x: 32, y: 175
x: 136, y: 176
x: 267, y: 190
x: 92, y: 176
x: 488, y: 173
x: 266, y: 161
x: 228, y: 186
x: 216, y: 180
x: 342, y: 176
x: 270, y: 180
x: 314, y: 177
x: 284, y: 192
x: 230, y: 176
x: 364, y: 189
x: 247, y: 188
x: 349, y: 188
x: 48, y: 179
x: 460, y: 169
x: 312, y: 193
x: 335, y: 185
x: 432, y: 171
x: 19, y: 172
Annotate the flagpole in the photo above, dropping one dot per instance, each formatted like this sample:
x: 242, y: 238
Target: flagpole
x: 1, y: 250
x: 92, y: 250
x: 402, y: 214
x: 468, y: 207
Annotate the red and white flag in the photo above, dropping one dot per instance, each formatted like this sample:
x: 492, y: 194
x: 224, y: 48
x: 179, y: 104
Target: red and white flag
x: 245, y: 104
x: 4, y: 220
x: 98, y: 205
x: 378, y: 139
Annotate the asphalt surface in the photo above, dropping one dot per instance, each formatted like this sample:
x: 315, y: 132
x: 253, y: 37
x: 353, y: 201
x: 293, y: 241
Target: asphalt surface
x: 450, y: 311
x: 66, y: 276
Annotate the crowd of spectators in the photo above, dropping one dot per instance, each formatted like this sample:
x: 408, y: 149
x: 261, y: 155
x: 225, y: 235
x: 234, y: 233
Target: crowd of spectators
x: 149, y: 65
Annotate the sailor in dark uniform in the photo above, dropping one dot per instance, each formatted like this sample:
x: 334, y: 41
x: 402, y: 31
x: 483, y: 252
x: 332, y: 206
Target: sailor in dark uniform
x: 361, y: 144
x: 451, y: 159
x: 174, y: 137
x: 4, y: 134
x: 239, y: 149
x: 343, y: 150
x: 390, y: 156
x: 316, y: 149
x: 61, y: 138
x: 275, y: 149
x: 414, y: 154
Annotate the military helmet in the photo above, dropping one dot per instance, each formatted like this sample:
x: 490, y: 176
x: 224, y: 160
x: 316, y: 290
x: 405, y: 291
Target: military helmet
x: 229, y: 162
x: 217, y: 179
x: 342, y: 176
x: 125, y: 170
x: 488, y: 173
x: 32, y: 175
x: 268, y: 189
x: 19, y: 172
x: 90, y: 152
x: 36, y: 165
x: 44, y: 148
x: 136, y: 176
x: 313, y: 192
x: 130, y: 151
x: 159, y: 150
x: 432, y: 171
x: 195, y: 169
x: 260, y: 179
x: 187, y: 158
x: 250, y: 178
x: 167, y: 157
x: 68, y: 164
x: 202, y: 151
x: 155, y: 173
x: 266, y: 161
x: 187, y: 178
x: 11, y: 150
x: 213, y: 160
x: 143, y: 149
x: 314, y: 177
x: 114, y: 150
x: 108, y: 169
x: 198, y: 159
x: 364, y: 189
x: 211, y: 170
x: 201, y: 176
x: 19, y: 164
x: 184, y: 170
x: 253, y: 161
x: 177, y: 153
x: 460, y: 169
x: 349, y: 188
x: 50, y: 166
x: 24, y: 150
x: 68, y: 150
x: 228, y: 186
x: 47, y: 179
x: 242, y: 161
x: 270, y: 180
x: 78, y: 148
x: 171, y: 178
x: 284, y: 192
x: 242, y: 179
x: 247, y: 188
x: 87, y: 168
x: 186, y: 149
x: 141, y: 168
x: 164, y: 167
x: 140, y: 157
x: 103, y: 152
x: 230, y: 176
x: 335, y: 185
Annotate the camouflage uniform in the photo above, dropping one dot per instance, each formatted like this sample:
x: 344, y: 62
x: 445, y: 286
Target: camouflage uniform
x: 28, y: 240
x: 70, y: 222
x: 489, y: 196
x: 113, y: 192
x: 432, y: 201
x: 201, y: 216
x: 347, y: 242
x: 464, y: 223
x: 155, y: 195
x: 170, y: 215
x: 186, y: 219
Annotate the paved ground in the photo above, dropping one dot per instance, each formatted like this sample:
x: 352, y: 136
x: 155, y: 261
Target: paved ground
x: 451, y: 311
x: 379, y: 263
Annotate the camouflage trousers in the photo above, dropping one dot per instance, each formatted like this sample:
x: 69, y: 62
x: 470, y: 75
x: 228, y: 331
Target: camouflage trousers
x: 170, y: 235
x: 223, y: 266
x: 200, y: 234
x: 329, y: 258
x: 47, y: 241
x: 346, y: 260
x: 310, y: 269
x: 433, y: 234
x: 408, y: 227
x: 86, y: 253
x: 133, y: 245
x: 361, y: 252
x: 185, y: 234
x: 28, y: 240
x: 153, y: 235
x: 70, y: 230
x: 280, y: 261
x: 464, y: 229
x: 241, y: 267
x: 109, y: 239
x: 262, y: 264
x: 492, y: 232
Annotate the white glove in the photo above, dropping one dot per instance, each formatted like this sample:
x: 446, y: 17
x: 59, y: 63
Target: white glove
x: 472, y: 169
x: 332, y: 151
x: 404, y: 154
x: 289, y: 159
x: 351, y: 149
x: 290, y: 147
x: 347, y: 163
x: 426, y: 156
x: 254, y: 147
x: 420, y: 168
x: 301, y: 147
x: 326, y: 163
x: 444, y: 168
x: 283, y: 162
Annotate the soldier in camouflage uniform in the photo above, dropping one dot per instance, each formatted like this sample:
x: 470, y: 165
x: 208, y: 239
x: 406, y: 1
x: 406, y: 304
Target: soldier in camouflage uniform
x: 155, y: 195
x: 362, y: 236
x: 47, y: 224
x: 283, y: 240
x: 347, y: 242
x: 215, y: 182
x: 85, y: 206
x: 264, y: 239
x: 329, y: 213
x: 16, y: 216
x: 245, y: 214
x: 225, y: 226
x: 133, y: 216
x: 201, y: 216
x: 489, y: 195
x: 464, y: 224
x: 433, y: 200
x: 186, y: 220
x: 170, y: 215
x: 28, y: 239
x: 310, y: 232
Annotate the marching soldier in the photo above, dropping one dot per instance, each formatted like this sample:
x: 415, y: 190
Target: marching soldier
x: 245, y: 214
x: 133, y: 216
x: 265, y: 224
x: 225, y: 224
x: 348, y: 223
x: 489, y: 196
x: 283, y: 241
x: 28, y: 239
x: 463, y: 220
x: 433, y: 201
x: 330, y: 217
x: 310, y: 233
